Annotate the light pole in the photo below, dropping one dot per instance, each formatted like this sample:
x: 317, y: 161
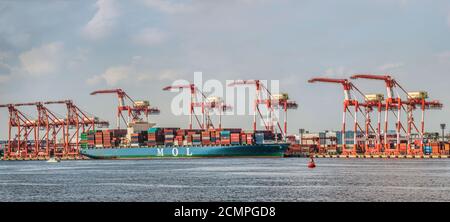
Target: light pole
x: 301, y: 131
x: 443, y: 125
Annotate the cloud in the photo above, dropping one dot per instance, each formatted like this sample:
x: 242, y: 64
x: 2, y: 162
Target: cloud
x: 390, y: 66
x: 4, y: 66
x: 448, y: 19
x: 79, y: 57
x: 103, y: 21
x: 340, y: 71
x: 443, y: 57
x: 4, y: 78
x: 94, y: 80
x: 4, y: 55
x: 149, y: 37
x: 42, y: 60
x: 168, y: 6
x: 404, y: 3
x: 113, y: 75
x: 169, y: 75
x: 138, y: 71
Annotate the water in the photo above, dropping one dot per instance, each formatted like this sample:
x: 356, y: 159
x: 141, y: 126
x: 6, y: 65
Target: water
x: 227, y: 180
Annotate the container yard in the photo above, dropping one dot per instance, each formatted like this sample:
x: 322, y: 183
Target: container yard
x: 80, y: 135
x: 398, y: 136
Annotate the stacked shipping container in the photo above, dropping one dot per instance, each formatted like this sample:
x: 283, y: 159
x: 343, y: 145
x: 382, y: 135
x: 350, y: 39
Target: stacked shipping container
x: 171, y: 137
x: 225, y: 137
x: 107, y: 136
x: 235, y: 138
x: 206, y: 137
x: 99, y: 139
x: 84, y: 141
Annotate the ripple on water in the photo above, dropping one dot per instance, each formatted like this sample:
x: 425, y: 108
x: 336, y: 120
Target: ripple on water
x: 226, y: 180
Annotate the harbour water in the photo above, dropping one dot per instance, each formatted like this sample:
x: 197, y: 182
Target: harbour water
x: 244, y: 179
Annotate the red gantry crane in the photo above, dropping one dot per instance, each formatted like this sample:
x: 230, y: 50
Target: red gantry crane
x: 54, y: 128
x: 414, y: 100
x: 22, y: 132
x: 263, y: 96
x: 48, y: 135
x: 77, y: 121
x: 348, y: 102
x: 135, y: 111
x: 282, y: 102
x: 193, y: 102
x: 207, y: 105
x: 212, y: 104
x: 418, y: 100
x: 393, y: 103
x: 374, y: 142
x: 258, y: 101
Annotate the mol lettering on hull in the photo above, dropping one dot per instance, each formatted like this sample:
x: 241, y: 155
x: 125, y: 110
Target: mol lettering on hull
x: 174, y: 152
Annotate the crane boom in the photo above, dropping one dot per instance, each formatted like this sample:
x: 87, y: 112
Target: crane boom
x: 118, y: 91
x: 189, y: 86
x: 244, y: 82
x: 27, y: 104
x: 347, y: 85
x: 371, y: 76
x: 330, y: 80
x: 134, y: 111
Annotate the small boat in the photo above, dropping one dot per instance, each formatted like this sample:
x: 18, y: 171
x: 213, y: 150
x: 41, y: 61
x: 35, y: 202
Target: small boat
x: 53, y: 160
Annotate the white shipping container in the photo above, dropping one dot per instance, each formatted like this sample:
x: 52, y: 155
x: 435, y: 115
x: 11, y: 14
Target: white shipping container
x: 268, y: 142
x: 418, y: 95
x: 281, y: 96
x: 310, y: 135
x: 141, y: 103
x: 374, y: 97
x: 214, y: 99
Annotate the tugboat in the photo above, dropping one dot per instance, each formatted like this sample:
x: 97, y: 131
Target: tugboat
x: 53, y: 160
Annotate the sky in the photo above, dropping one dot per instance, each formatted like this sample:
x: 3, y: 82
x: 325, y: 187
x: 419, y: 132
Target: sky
x: 52, y: 50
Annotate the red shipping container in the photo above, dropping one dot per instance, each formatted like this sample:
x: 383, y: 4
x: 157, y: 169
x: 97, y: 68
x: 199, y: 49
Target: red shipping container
x: 206, y: 142
x: 181, y: 132
x: 225, y: 141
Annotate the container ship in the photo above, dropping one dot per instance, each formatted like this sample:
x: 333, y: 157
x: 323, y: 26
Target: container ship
x: 158, y: 142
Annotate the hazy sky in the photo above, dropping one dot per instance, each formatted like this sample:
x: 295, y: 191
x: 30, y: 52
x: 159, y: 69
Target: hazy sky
x: 66, y: 49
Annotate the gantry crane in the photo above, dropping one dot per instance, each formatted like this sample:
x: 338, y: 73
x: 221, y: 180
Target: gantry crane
x: 393, y: 103
x: 54, y: 127
x: 80, y: 122
x: 263, y: 96
x: 207, y: 104
x: 412, y: 102
x: 193, y: 102
x: 20, y: 145
x: 39, y: 138
x: 214, y: 103
x: 135, y: 110
x: 258, y: 101
x: 282, y: 102
x: 422, y: 104
x: 374, y: 142
x: 349, y: 101
x: 23, y: 128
